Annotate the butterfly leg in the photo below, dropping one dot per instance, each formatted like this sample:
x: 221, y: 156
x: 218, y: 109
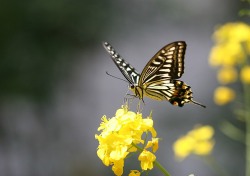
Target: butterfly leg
x: 139, y: 108
x: 142, y: 100
x: 128, y: 99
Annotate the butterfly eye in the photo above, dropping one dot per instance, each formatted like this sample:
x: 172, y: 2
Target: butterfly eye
x: 132, y: 86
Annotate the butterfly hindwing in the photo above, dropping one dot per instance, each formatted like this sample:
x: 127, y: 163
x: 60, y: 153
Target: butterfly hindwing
x: 175, y: 91
x: 126, y: 69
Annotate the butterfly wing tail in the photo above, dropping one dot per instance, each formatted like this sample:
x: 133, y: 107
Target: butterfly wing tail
x: 195, y: 102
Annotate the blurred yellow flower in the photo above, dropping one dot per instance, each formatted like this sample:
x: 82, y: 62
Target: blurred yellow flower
x: 198, y: 141
x: 232, y: 47
x: 203, y: 147
x: 183, y: 146
x: 245, y: 74
x: 202, y: 132
x: 227, y: 75
x: 238, y: 32
x: 119, y: 136
x: 232, y: 41
x: 223, y: 95
x: 227, y: 54
x: 134, y: 173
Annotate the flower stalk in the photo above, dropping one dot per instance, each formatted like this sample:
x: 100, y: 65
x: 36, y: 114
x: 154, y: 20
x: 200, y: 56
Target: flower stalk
x: 215, y: 166
x: 247, y: 118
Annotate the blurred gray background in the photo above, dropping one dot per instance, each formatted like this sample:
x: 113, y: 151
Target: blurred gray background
x: 54, y: 89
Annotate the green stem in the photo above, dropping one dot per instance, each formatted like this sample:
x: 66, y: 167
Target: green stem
x: 246, y: 88
x: 215, y: 166
x: 156, y: 163
x: 247, y: 118
x: 164, y: 171
x: 233, y: 132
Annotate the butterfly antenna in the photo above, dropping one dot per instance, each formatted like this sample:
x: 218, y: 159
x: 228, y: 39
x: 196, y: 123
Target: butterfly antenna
x: 117, y: 77
x: 198, y: 104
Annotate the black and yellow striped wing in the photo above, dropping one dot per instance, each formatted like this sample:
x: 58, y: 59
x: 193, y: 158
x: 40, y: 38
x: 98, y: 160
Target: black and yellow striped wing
x: 175, y: 91
x: 168, y: 63
x: 158, y: 78
x: 126, y: 69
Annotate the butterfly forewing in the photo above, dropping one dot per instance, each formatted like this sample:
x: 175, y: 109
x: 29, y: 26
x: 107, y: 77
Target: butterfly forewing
x: 126, y: 69
x: 167, y: 63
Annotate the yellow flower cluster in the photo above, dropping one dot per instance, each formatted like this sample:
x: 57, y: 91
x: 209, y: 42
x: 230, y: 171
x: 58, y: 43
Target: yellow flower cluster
x: 230, y: 53
x: 122, y: 135
x: 198, y: 141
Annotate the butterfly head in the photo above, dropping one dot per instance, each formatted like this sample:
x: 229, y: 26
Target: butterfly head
x: 138, y: 91
x: 132, y: 87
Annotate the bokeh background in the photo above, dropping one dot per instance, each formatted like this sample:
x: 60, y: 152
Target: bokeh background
x: 54, y: 89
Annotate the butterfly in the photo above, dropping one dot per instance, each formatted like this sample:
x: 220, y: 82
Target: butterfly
x: 159, y: 78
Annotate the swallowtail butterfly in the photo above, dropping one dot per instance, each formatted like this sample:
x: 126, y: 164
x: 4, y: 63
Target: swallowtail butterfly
x: 159, y: 78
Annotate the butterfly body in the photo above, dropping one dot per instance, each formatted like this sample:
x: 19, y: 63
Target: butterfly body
x: 159, y: 78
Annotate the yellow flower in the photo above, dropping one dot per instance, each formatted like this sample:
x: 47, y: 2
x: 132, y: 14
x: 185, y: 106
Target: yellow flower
x: 198, y: 141
x: 227, y: 75
x: 227, y: 54
x: 134, y: 173
x: 120, y: 134
x: 203, y: 147
x: 237, y: 31
x: 202, y: 132
x: 223, y: 95
x: 147, y: 158
x: 232, y: 43
x: 203, y: 135
x: 232, y: 49
x: 153, y: 144
x: 117, y: 167
x: 245, y: 75
x: 183, y: 146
